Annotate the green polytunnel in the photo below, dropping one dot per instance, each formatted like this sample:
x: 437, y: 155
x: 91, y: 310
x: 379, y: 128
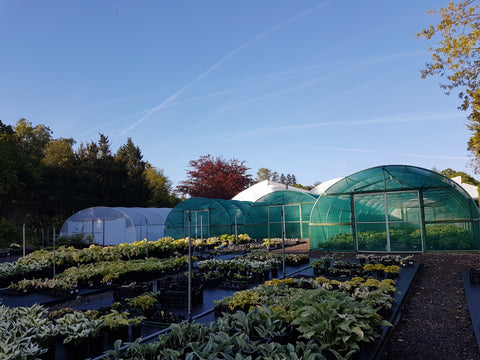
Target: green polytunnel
x: 395, y: 208
x: 204, y: 218
x: 285, y: 209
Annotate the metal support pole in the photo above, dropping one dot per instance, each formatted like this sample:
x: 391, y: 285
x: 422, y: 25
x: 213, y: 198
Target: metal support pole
x: 283, y: 240
x: 146, y: 234
x: 24, y: 242
x: 103, y: 233
x: 189, y: 310
x: 236, y: 233
x: 54, y: 250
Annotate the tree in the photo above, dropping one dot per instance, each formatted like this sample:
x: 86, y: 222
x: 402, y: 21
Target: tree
x: 130, y: 158
x: 160, y: 188
x: 266, y: 174
x: 33, y: 139
x: 456, y: 59
x: 467, y: 179
x: 215, y: 178
x: 59, y: 152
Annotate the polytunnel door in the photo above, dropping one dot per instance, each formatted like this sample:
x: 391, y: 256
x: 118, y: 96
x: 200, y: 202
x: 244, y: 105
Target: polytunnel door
x: 388, y: 222
x: 291, y: 222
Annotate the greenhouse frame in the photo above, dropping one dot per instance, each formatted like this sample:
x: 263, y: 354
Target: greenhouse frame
x: 201, y: 218
x: 278, y: 214
x: 117, y: 225
x: 395, y: 208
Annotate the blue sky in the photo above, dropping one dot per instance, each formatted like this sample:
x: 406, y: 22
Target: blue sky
x: 319, y: 89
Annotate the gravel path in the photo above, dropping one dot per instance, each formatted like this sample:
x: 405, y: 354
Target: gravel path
x: 435, y: 322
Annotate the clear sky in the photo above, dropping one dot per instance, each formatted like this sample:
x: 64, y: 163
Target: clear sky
x: 319, y: 89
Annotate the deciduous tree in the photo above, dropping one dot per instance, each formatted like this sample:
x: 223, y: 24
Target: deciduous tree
x: 467, y: 179
x: 266, y: 174
x: 456, y: 59
x: 160, y: 188
x: 215, y: 178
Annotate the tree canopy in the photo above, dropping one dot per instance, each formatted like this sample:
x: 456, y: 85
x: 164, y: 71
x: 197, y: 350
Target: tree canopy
x: 456, y: 59
x: 267, y: 174
x: 467, y: 179
x: 215, y: 178
x: 45, y: 180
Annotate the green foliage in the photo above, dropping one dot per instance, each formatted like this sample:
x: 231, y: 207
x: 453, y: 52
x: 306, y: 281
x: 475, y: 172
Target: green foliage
x: 24, y: 332
x: 317, y: 321
x: 455, y: 58
x: 342, y: 241
x: 75, y: 327
x: 78, y: 241
x: 144, y: 301
x: 266, y: 174
x: 8, y: 233
x: 438, y: 237
x: 44, y: 180
x: 467, y: 179
x: 448, y: 237
x: 335, y: 320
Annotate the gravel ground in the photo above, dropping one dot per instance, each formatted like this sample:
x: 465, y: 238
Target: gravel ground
x: 435, y: 321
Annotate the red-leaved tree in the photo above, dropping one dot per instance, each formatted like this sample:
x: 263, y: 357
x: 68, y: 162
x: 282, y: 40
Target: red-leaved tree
x: 215, y: 178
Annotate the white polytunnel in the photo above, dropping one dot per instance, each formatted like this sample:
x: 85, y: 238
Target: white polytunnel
x: 117, y: 225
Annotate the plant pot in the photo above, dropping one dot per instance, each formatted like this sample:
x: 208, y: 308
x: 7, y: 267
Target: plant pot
x: 392, y: 275
x: 50, y: 345
x: 135, y: 332
x: 119, y: 333
x: 75, y: 350
x: 97, y: 345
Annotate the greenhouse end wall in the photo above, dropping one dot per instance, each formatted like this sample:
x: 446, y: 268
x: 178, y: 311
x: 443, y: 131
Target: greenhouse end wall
x: 116, y: 225
x: 280, y: 212
x: 395, y: 208
x: 203, y: 218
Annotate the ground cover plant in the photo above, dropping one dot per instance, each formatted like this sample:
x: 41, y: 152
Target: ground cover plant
x: 269, y: 318
x: 107, y: 273
x: 29, y: 332
x: 281, y: 319
x: 39, y: 264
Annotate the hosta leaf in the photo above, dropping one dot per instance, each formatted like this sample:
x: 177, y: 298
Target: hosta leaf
x: 345, y: 338
x: 358, y: 331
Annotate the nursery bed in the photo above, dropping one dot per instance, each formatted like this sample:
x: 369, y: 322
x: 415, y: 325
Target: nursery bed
x: 44, y: 299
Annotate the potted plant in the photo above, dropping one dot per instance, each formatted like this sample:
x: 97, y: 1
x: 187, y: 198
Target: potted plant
x: 392, y: 271
x: 77, y: 332
x: 116, y: 324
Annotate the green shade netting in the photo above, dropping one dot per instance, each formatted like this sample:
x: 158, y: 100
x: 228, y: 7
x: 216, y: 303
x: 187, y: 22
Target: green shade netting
x: 395, y: 208
x: 203, y: 218
x: 264, y: 218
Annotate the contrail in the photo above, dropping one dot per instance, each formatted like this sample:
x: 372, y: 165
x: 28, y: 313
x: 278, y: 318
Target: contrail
x: 186, y: 101
x: 220, y: 62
